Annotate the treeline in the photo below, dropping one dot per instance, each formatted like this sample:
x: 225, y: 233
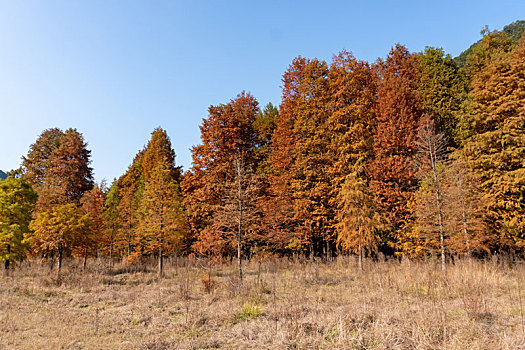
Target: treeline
x: 413, y: 155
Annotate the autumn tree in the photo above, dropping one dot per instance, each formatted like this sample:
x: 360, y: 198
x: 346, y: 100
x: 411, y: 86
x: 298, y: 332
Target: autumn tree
x: 227, y: 134
x: 60, y: 229
x: 278, y: 208
x: 311, y: 183
x: 130, y: 189
x: 161, y: 224
x: 464, y: 211
x: 92, y: 204
x: 58, y: 166
x: 495, y: 148
x: 352, y: 118
x: 70, y: 174
x: 430, y: 163
x: 359, y: 219
x: 398, y: 113
x: 235, y: 219
x: 17, y: 200
x: 492, y: 44
x: 38, y: 162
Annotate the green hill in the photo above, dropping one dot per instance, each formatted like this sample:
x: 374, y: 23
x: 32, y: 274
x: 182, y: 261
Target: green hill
x: 513, y: 32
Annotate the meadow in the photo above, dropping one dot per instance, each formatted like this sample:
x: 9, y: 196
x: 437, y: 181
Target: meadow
x: 282, y: 304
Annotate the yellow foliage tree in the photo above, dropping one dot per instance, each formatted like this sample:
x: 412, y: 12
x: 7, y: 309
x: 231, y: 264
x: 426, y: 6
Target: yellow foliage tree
x: 61, y: 229
x: 358, y: 219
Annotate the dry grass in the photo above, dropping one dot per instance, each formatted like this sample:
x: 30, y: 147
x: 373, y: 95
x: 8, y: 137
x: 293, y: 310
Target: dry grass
x: 288, y: 305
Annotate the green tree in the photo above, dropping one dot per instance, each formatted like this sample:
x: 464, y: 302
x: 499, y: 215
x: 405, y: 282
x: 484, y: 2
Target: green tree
x: 111, y: 217
x: 442, y: 90
x: 17, y: 200
x: 130, y: 189
x: 264, y: 127
x: 510, y: 35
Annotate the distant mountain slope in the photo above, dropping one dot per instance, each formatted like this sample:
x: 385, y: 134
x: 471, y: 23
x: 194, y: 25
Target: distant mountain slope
x: 514, y: 31
x: 2, y: 175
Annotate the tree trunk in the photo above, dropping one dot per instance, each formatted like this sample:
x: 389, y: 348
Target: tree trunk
x: 239, y: 231
x: 161, y: 262
x: 464, y: 216
x: 433, y: 162
x: 129, y: 231
x: 360, y: 244
x: 85, y: 259
x: 51, y: 259
x: 360, y: 258
x: 60, y: 252
x: 111, y: 247
x: 7, y: 261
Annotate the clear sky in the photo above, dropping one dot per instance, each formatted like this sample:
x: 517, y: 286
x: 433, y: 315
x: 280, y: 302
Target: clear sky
x: 117, y: 69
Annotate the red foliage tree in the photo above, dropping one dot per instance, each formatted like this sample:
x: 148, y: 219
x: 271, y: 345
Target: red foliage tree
x: 398, y: 113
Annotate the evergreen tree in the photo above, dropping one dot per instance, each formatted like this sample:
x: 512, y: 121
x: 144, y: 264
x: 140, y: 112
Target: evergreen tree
x: 442, y: 90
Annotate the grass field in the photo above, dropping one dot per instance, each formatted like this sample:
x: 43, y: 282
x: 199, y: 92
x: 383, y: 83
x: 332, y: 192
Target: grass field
x: 282, y: 305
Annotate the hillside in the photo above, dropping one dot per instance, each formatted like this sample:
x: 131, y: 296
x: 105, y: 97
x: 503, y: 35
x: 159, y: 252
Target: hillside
x: 512, y: 31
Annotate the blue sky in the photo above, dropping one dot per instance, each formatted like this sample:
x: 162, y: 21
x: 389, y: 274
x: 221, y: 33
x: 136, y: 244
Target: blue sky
x: 115, y: 70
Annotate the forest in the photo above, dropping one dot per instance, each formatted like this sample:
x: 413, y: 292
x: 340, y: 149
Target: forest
x: 414, y: 156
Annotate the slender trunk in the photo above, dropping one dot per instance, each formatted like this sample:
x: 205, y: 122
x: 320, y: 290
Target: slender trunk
x: 360, y: 258
x: 51, y: 259
x: 111, y: 246
x: 60, y: 252
x: 129, y: 230
x: 464, y: 215
x: 7, y: 261
x: 239, y: 231
x: 360, y: 245
x: 433, y: 162
x: 85, y: 259
x: 161, y: 261
x: 161, y: 235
